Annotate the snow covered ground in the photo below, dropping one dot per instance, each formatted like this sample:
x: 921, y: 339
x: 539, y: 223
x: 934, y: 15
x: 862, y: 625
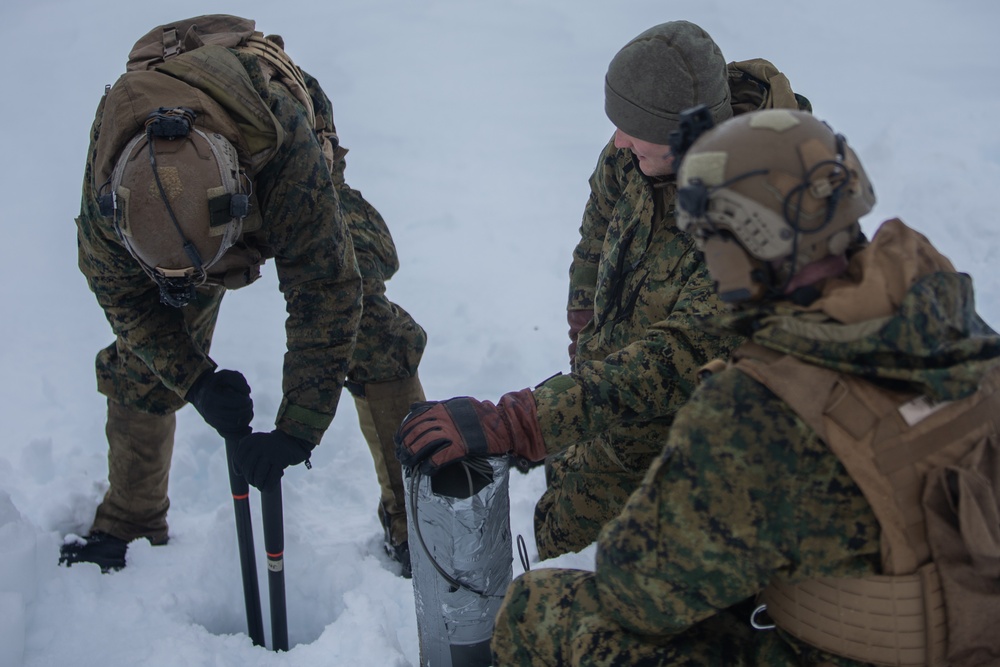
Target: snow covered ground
x: 473, y: 128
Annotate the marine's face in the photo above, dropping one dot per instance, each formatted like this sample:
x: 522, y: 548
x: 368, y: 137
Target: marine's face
x: 654, y: 159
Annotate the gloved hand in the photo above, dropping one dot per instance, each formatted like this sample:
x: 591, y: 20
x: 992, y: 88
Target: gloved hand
x: 223, y: 400
x: 263, y: 457
x: 577, y: 319
x: 436, y: 434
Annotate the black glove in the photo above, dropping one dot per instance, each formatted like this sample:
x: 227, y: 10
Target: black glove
x: 263, y: 457
x: 222, y: 398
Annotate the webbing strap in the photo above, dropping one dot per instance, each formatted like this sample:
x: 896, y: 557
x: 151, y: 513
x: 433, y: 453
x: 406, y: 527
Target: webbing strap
x: 882, y: 620
x: 288, y: 73
x: 171, y: 44
x: 469, y: 425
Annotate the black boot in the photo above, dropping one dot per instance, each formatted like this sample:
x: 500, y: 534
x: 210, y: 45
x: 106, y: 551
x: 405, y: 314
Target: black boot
x: 397, y: 552
x: 105, y: 550
x: 401, y: 554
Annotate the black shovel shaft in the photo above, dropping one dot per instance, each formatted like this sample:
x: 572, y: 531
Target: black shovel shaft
x: 274, y: 545
x: 244, y: 538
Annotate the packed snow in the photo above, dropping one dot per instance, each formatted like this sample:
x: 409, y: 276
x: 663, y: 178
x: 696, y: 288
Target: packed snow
x: 473, y: 128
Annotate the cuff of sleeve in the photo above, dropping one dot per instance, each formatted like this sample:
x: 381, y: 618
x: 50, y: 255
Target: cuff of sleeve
x: 303, y: 423
x: 561, y: 418
x: 580, y: 299
x: 187, y: 381
x: 581, y: 288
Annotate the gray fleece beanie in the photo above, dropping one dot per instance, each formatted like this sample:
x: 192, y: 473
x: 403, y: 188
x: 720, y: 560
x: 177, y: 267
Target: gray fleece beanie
x: 665, y: 70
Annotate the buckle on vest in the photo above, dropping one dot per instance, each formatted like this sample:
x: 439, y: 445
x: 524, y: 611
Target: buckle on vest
x: 762, y: 609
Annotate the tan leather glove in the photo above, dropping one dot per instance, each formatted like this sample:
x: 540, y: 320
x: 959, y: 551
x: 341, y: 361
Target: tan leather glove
x: 437, y: 434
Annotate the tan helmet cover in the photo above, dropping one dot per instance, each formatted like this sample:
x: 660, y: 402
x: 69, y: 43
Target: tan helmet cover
x: 784, y: 185
x: 199, y: 174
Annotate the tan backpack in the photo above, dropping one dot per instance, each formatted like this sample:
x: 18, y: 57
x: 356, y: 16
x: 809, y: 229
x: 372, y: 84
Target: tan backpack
x: 203, y: 66
x: 757, y: 84
x: 931, y: 473
x: 189, y: 64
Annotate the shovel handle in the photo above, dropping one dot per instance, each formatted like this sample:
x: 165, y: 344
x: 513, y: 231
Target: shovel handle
x: 244, y: 539
x: 274, y: 546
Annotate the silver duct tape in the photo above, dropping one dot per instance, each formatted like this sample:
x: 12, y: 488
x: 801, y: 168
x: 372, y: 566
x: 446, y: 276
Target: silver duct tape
x: 469, y: 538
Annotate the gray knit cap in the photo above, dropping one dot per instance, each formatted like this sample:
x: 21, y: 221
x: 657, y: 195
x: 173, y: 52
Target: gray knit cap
x: 665, y: 70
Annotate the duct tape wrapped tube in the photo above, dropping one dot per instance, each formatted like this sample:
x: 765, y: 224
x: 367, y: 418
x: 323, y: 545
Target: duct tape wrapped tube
x: 461, y: 555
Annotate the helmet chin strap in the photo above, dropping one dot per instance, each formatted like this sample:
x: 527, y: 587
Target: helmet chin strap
x: 738, y: 277
x: 176, y: 291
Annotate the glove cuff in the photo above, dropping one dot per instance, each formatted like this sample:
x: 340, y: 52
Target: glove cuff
x: 193, y: 395
x: 303, y: 448
x: 521, y: 415
x: 577, y: 320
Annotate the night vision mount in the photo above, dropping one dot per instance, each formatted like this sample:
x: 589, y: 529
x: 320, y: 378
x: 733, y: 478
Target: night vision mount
x: 694, y: 122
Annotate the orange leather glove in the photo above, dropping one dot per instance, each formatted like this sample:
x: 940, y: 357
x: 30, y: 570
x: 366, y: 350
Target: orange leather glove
x: 438, y: 433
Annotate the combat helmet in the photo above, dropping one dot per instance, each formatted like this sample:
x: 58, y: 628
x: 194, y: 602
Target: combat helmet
x: 178, y: 198
x: 765, y: 194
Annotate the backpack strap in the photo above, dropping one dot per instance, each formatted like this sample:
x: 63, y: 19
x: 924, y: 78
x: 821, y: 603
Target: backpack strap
x: 219, y: 75
x: 278, y: 65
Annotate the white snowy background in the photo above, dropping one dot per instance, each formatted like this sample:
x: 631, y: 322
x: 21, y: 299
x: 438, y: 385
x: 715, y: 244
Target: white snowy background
x: 473, y: 127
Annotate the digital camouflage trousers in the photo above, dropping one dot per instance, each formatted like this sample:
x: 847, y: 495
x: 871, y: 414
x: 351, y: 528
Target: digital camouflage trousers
x: 553, y: 617
x: 389, y: 348
x: 587, y: 487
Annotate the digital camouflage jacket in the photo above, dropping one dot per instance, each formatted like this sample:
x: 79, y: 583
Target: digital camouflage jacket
x: 745, y: 490
x: 636, y: 360
x: 303, y: 231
